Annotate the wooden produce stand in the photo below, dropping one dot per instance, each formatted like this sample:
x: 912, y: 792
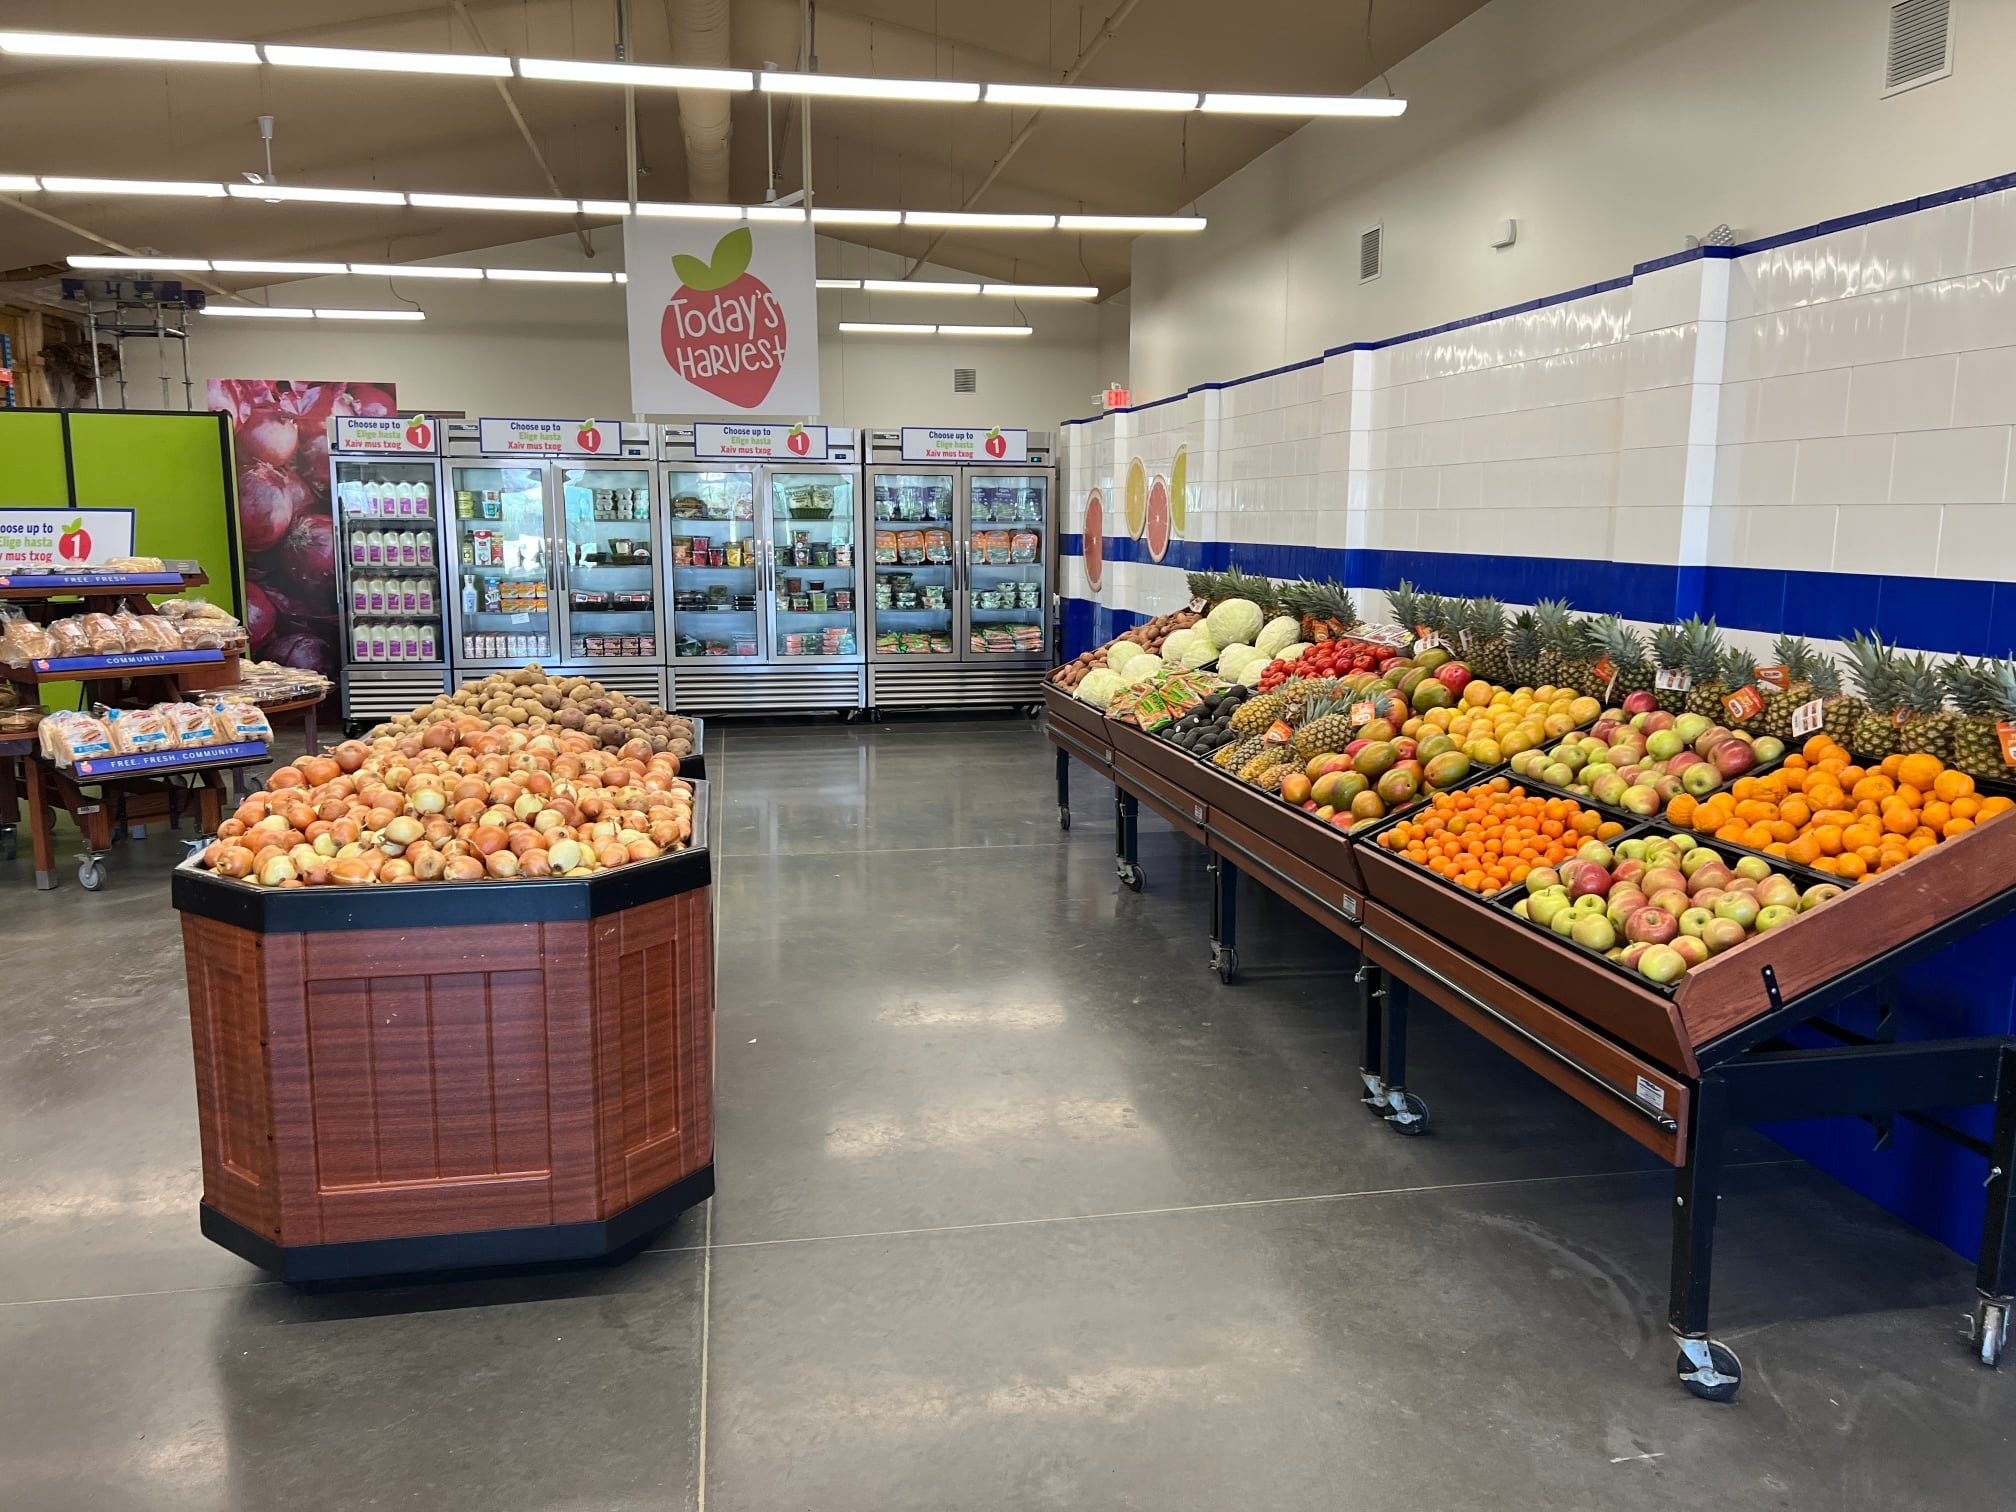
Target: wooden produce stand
x: 439, y: 1076
x: 161, y: 790
x: 1744, y: 1038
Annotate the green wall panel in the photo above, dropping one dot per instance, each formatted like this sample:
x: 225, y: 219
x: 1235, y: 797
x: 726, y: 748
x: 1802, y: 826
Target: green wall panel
x: 174, y: 472
x: 32, y: 474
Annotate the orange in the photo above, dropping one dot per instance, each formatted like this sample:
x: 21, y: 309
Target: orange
x: 1990, y: 807
x: 1890, y: 763
x: 1681, y: 809
x: 1816, y: 747
x: 1757, y: 836
x: 1910, y: 794
x: 1783, y: 830
x: 1733, y: 832
x: 1795, y: 811
x: 1870, y: 854
x: 1936, y: 813
x: 1951, y: 784
x: 1873, y: 787
x: 1610, y: 829
x: 1803, y: 851
x: 1831, y: 865
x: 1919, y: 843
x: 1957, y: 827
x: 1900, y: 820
x: 1920, y: 770
x: 1854, y: 868
x: 1828, y: 838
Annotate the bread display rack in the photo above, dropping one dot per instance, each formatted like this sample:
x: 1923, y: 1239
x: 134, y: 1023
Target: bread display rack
x: 104, y: 794
x: 1747, y: 1037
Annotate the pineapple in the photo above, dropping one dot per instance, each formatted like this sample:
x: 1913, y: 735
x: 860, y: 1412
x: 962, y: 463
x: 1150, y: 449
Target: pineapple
x: 1703, y: 661
x: 1985, y: 694
x: 1523, y: 645
x: 1558, y: 641
x: 1263, y: 760
x: 1669, y: 654
x: 1928, y: 725
x: 1406, y: 602
x: 1739, y: 670
x: 1839, y: 713
x: 1256, y: 714
x: 1270, y: 780
x: 1204, y: 586
x: 1796, y: 655
x: 1325, y: 610
x: 1872, y: 667
x: 1234, y: 755
x: 1233, y: 583
x: 1326, y: 726
x: 1487, y: 655
x: 1625, y: 650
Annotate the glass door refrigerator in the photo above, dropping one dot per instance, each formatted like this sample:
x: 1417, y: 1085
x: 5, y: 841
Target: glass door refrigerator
x: 1006, y: 546
x: 610, y: 544
x: 505, y: 600
x: 914, y: 605
x: 716, y: 566
x: 390, y: 556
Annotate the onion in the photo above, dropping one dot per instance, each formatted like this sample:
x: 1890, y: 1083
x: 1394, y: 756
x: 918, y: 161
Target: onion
x: 312, y: 653
x: 311, y: 459
x: 350, y: 871
x: 265, y: 506
x: 535, y: 863
x: 275, y: 870
x: 502, y: 863
x: 309, y: 551
x: 398, y: 869
x: 404, y: 830
x: 564, y: 854
x: 269, y: 436
x: 350, y: 755
x: 464, y: 869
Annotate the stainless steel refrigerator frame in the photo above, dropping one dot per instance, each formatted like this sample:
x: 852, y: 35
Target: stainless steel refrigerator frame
x: 373, y: 691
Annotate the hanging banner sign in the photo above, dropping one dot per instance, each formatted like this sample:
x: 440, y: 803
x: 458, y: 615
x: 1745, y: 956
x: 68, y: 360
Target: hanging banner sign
x: 51, y: 540
x: 418, y: 436
x: 721, y: 324
x: 731, y: 442
x: 926, y: 443
x: 550, y: 438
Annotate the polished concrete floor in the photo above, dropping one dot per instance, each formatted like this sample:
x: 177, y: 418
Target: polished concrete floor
x: 1019, y: 1208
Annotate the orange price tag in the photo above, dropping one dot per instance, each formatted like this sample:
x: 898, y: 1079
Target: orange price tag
x: 1279, y: 733
x: 1606, y: 673
x: 1897, y: 718
x: 1745, y: 703
x: 1361, y: 712
x: 2006, y: 730
x: 1774, y: 679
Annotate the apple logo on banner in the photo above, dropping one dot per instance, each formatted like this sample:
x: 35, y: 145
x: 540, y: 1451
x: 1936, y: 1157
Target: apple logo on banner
x: 797, y: 441
x: 996, y: 444
x: 419, y: 433
x: 589, y: 437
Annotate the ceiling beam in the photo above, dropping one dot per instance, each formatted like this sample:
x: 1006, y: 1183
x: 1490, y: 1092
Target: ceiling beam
x: 106, y: 242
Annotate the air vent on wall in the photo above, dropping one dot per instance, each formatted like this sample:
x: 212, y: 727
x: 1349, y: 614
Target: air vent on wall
x: 965, y: 380
x: 1370, y: 248
x: 1921, y: 44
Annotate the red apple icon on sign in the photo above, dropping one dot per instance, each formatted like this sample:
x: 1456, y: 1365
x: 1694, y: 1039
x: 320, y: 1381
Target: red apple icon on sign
x: 589, y: 437
x: 996, y: 444
x: 723, y: 330
x: 419, y: 433
x: 74, y: 544
x: 797, y: 441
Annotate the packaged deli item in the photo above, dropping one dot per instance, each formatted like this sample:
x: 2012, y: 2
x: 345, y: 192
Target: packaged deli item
x: 139, y: 732
x: 102, y: 635
x: 910, y: 547
x: 1023, y: 546
x: 192, y: 724
x: 133, y: 564
x: 72, y: 736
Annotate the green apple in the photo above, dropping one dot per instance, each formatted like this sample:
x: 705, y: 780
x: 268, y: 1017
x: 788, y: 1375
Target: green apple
x: 1774, y: 915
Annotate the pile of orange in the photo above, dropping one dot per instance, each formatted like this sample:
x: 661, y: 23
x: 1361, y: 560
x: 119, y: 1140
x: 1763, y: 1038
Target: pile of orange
x: 1820, y: 809
x: 1488, y: 837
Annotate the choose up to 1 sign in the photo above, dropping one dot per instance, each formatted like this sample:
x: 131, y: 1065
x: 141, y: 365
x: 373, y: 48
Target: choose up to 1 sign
x: 721, y: 324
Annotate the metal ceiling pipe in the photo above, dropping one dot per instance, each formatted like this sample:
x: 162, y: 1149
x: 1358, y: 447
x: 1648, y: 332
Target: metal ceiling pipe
x: 700, y: 40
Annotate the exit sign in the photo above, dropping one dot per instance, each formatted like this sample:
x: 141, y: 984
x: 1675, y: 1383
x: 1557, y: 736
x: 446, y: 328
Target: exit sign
x: 1117, y: 397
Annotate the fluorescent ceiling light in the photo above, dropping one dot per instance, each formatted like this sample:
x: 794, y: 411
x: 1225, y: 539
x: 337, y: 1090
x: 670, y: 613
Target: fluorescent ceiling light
x: 131, y: 186
x: 617, y: 208
x: 886, y: 328
x: 837, y: 283
x: 622, y: 277
x: 281, y: 193
x: 370, y: 315
x: 916, y: 286
x: 164, y: 264
x: 368, y: 60
x: 1042, y: 291
x: 139, y: 49
x: 776, y: 213
x: 1131, y: 223
x: 21, y: 183
x: 1301, y: 105
x: 984, y: 330
x: 640, y: 75
x: 689, y: 212
x: 255, y: 265
x: 260, y: 312
x: 845, y: 86
x: 1072, y: 96
x: 547, y: 275
x: 493, y: 202
x: 824, y: 217
x: 978, y: 220
x: 413, y: 270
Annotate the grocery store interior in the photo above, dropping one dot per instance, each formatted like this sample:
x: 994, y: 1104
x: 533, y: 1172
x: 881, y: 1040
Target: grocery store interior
x: 858, y: 754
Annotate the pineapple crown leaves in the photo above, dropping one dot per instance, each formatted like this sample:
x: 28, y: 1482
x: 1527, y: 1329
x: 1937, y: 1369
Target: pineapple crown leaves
x: 1739, y: 667
x: 1623, y: 645
x: 1669, y: 646
x: 1704, y: 648
x: 1405, y: 602
x: 1872, y: 666
x: 1825, y: 677
x: 1487, y: 618
x: 1921, y: 688
x: 730, y: 261
x: 1971, y: 685
x: 1525, y: 632
x: 1795, y: 654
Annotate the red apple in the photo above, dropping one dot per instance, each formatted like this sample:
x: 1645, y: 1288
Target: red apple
x: 1651, y: 926
x: 1641, y: 703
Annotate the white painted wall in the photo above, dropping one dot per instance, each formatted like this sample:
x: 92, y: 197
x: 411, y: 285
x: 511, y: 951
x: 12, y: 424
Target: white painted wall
x: 540, y: 349
x: 1609, y: 130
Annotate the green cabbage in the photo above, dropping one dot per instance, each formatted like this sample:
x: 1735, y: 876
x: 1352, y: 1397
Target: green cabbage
x: 1140, y: 668
x: 1232, y: 659
x: 1099, y: 686
x: 1235, y: 620
x: 1174, y: 643
x: 1199, y: 651
x: 1276, y: 633
x: 1120, y: 653
x: 1254, y: 671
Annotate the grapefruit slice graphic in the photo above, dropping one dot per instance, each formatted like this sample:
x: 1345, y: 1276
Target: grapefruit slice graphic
x: 1095, y: 540
x: 1158, y: 518
x: 1137, y: 498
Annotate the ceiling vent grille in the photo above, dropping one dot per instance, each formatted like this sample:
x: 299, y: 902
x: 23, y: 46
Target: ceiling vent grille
x: 1371, y: 249
x: 1921, y: 44
x: 965, y: 380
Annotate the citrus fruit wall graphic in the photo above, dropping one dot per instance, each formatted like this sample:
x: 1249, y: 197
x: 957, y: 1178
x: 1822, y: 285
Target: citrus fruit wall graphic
x: 1157, y: 533
x: 1179, y: 490
x: 1095, y: 539
x: 1136, y: 498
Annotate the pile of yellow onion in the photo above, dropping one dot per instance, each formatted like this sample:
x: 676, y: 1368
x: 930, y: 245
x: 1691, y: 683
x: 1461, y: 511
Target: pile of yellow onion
x: 461, y: 802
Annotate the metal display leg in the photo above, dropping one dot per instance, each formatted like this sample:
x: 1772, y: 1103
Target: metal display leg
x: 1706, y: 1368
x: 1995, y: 1278
x: 1063, y: 788
x: 1384, y: 1053
x: 1126, y: 824
x: 1224, y: 916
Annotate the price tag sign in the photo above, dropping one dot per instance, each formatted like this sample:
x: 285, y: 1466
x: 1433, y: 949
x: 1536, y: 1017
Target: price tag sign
x: 1279, y: 733
x: 1425, y: 639
x: 1197, y: 606
x: 1745, y: 703
x: 1606, y: 672
x: 1808, y: 717
x: 1361, y: 712
x: 1673, y: 680
x: 2005, y: 731
x: 1774, y: 679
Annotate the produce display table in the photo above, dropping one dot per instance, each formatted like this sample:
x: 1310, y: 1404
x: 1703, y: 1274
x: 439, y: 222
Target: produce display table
x: 1743, y: 1038
x: 429, y: 1077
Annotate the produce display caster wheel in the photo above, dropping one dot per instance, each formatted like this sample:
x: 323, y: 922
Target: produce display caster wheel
x: 1709, y: 1370
x: 1129, y: 874
x: 90, y: 873
x: 1406, y: 1114
x: 1063, y: 816
x: 1225, y: 961
x: 1988, y: 1329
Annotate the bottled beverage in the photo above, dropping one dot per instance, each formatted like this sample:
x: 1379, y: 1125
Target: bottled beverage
x: 409, y: 595
x: 359, y: 547
x: 409, y: 639
x: 423, y: 595
x: 374, y: 496
x: 423, y: 500
x: 374, y: 547
x: 360, y: 644
x: 468, y: 594
x: 428, y: 647
x: 377, y: 595
x: 423, y: 546
x: 408, y: 553
x: 360, y: 595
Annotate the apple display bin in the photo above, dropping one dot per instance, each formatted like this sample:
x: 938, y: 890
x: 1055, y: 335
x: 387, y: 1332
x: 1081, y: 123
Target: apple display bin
x: 446, y: 1076
x: 1745, y: 1038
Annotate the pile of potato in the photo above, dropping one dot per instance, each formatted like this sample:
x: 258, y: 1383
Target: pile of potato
x: 529, y: 699
x: 1148, y: 637
x: 464, y: 801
